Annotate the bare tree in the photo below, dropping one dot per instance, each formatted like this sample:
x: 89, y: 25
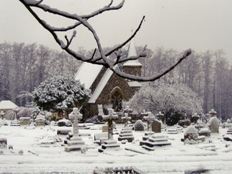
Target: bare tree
x: 82, y: 20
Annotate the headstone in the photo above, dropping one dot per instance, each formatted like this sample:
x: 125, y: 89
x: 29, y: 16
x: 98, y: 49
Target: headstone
x: 126, y: 134
x: 110, y: 143
x: 204, y: 131
x: 214, y: 124
x: 126, y: 119
x: 105, y: 128
x: 154, y: 140
x: 190, y: 135
x: 149, y: 118
x: 212, y: 113
x: 3, y: 143
x: 195, y: 117
x: 75, y: 143
x: 40, y: 120
x: 160, y: 116
x: 139, y: 126
x: 110, y: 118
x: 63, y: 131
x: 99, y: 138
x: 25, y: 121
x: 64, y: 122
x: 127, y: 110
x: 15, y: 122
x: 156, y: 126
x: 100, y: 110
x: 172, y: 130
x: 228, y: 135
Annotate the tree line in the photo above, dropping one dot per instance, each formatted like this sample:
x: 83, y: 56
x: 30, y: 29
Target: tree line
x: 24, y: 66
x: 207, y: 73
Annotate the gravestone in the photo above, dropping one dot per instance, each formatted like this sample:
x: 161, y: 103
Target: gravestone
x: 3, y: 143
x: 25, y: 121
x: 105, y: 128
x: 110, y: 143
x: 149, y: 118
x: 150, y: 142
x: 160, y: 116
x: 99, y: 138
x: 100, y: 110
x: 214, y: 124
x: 126, y: 119
x: 110, y: 118
x: 75, y: 143
x: 40, y: 120
x: 156, y: 126
x: 126, y: 134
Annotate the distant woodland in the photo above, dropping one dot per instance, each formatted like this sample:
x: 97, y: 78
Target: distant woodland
x: 24, y: 66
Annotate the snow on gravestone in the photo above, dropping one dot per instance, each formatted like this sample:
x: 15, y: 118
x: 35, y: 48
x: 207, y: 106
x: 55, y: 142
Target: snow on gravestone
x: 156, y: 126
x: 191, y: 133
x: 75, y: 143
x: 214, y: 124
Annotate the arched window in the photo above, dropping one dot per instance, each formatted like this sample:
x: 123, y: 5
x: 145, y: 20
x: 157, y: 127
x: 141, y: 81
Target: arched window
x: 116, y: 98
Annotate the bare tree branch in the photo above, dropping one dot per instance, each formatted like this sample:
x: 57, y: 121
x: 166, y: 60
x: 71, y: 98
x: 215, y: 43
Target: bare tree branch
x: 79, y: 20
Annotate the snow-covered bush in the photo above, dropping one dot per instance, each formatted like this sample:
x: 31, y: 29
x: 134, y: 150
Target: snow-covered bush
x: 60, y: 93
x: 139, y: 126
x: 174, y: 100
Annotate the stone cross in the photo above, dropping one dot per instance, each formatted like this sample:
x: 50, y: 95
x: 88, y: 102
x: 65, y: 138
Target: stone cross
x: 109, y: 118
x: 149, y: 118
x: 75, y: 115
x: 127, y: 110
x: 160, y: 116
x: 126, y: 118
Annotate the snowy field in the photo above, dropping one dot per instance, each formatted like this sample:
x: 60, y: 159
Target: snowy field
x: 173, y: 159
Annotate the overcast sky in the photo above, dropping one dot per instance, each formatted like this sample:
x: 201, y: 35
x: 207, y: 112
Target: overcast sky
x: 178, y: 24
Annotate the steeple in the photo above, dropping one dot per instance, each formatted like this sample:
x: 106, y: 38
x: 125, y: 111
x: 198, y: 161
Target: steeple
x: 132, y: 52
x: 132, y: 66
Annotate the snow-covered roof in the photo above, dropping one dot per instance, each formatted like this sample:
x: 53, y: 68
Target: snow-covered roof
x: 87, y: 73
x: 134, y: 84
x: 7, y: 104
x: 132, y: 52
x: 101, y: 86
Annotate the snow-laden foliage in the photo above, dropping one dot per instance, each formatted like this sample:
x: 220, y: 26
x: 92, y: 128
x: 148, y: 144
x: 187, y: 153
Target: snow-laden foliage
x: 60, y: 93
x: 173, y: 100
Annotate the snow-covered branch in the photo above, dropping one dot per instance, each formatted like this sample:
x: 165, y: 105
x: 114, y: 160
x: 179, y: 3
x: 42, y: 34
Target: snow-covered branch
x: 82, y: 20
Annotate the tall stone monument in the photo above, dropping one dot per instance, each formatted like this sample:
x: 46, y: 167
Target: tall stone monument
x: 214, y: 122
x: 110, y: 118
x: 75, y: 143
x: 110, y: 143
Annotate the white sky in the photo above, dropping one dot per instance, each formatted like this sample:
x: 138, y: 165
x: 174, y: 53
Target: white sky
x: 177, y: 24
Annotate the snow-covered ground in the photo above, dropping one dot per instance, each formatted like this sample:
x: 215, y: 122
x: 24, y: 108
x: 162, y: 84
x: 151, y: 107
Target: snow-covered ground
x: 173, y: 159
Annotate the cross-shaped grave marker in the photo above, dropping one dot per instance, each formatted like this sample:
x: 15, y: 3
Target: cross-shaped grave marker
x: 126, y: 118
x: 110, y: 118
x: 160, y: 116
x: 149, y: 118
x: 75, y: 115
